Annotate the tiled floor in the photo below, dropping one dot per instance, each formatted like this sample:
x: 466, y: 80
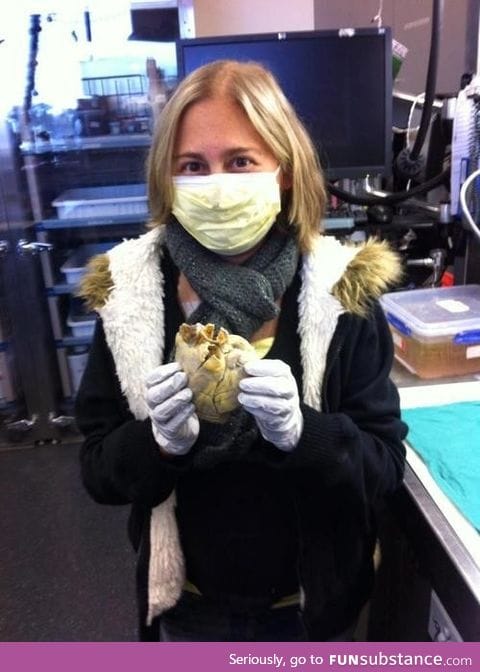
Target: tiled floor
x: 66, y: 568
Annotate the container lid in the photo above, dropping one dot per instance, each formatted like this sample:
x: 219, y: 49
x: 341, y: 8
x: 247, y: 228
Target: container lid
x: 79, y: 258
x: 100, y: 195
x: 81, y: 320
x: 78, y: 314
x: 435, y: 312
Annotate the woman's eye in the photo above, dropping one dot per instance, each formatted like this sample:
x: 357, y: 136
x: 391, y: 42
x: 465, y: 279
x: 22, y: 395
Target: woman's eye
x: 191, y: 167
x: 241, y: 162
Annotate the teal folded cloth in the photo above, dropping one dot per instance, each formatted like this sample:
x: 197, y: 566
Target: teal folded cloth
x: 447, y: 438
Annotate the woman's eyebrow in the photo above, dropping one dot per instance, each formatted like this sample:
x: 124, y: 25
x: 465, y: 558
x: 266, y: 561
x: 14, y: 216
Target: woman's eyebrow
x: 190, y: 155
x: 228, y: 152
x: 242, y: 150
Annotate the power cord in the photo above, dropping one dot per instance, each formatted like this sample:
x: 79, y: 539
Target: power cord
x: 396, y: 197
x: 463, y: 202
x: 409, y: 161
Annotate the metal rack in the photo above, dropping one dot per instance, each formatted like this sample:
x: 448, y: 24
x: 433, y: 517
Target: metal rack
x: 48, y: 344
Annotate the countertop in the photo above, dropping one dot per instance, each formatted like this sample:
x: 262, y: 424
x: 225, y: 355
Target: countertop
x: 457, y: 535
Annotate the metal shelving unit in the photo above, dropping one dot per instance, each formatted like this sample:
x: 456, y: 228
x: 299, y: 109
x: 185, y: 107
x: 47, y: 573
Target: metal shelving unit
x: 58, y: 237
x: 43, y: 238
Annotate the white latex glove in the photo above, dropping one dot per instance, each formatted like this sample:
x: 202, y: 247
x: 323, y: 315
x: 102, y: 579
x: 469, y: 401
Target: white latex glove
x: 174, y: 421
x: 270, y: 394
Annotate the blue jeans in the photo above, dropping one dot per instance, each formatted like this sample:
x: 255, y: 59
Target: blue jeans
x: 195, y: 619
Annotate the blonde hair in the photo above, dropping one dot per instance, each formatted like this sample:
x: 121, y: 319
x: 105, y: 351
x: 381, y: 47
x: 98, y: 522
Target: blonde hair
x: 258, y: 93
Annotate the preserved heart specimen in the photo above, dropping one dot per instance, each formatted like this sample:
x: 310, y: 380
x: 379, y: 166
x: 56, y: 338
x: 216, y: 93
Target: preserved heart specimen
x: 213, y: 361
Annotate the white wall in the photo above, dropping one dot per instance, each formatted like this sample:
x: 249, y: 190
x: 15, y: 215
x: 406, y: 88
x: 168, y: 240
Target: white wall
x: 410, y: 21
x: 232, y: 17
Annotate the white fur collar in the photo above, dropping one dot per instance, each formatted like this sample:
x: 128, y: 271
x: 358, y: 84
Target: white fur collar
x: 133, y: 316
x: 319, y: 311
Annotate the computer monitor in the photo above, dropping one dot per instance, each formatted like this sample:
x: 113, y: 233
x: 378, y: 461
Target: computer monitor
x: 339, y: 81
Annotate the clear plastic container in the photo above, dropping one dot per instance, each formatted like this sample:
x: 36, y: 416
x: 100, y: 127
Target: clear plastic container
x: 77, y: 361
x: 74, y: 267
x: 436, y: 332
x: 82, y: 326
x: 122, y: 199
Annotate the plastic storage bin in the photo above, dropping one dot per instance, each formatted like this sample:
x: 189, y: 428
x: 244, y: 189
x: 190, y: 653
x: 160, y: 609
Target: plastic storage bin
x: 436, y: 332
x: 77, y: 361
x: 83, y: 202
x: 74, y: 267
x: 82, y: 326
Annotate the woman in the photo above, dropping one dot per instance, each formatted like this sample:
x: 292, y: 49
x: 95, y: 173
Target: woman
x: 262, y: 528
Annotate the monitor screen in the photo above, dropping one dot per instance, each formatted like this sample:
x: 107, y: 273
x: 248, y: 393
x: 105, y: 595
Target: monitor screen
x: 339, y: 81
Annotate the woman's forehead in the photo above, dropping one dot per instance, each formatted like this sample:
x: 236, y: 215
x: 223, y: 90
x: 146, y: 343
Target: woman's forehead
x: 216, y: 121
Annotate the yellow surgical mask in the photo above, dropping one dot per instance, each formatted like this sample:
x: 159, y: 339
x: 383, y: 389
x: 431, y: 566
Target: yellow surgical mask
x: 228, y: 213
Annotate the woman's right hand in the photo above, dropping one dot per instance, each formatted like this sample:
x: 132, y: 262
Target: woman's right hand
x: 174, y: 421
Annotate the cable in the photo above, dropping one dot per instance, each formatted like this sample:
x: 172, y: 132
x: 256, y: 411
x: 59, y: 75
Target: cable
x: 437, y: 15
x: 409, y: 163
x: 410, y: 130
x: 379, y: 15
x: 390, y: 198
x: 463, y: 202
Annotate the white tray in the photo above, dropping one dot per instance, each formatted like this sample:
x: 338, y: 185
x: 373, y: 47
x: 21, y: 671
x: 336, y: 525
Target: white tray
x: 122, y: 199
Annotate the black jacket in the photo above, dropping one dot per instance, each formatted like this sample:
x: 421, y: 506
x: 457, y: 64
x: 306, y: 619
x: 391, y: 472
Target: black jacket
x: 307, y: 516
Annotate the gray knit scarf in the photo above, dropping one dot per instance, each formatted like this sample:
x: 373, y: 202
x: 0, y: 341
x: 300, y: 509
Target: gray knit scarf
x: 238, y: 298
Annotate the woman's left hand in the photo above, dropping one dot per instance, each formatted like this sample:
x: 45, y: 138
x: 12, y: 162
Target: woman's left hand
x: 270, y: 394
